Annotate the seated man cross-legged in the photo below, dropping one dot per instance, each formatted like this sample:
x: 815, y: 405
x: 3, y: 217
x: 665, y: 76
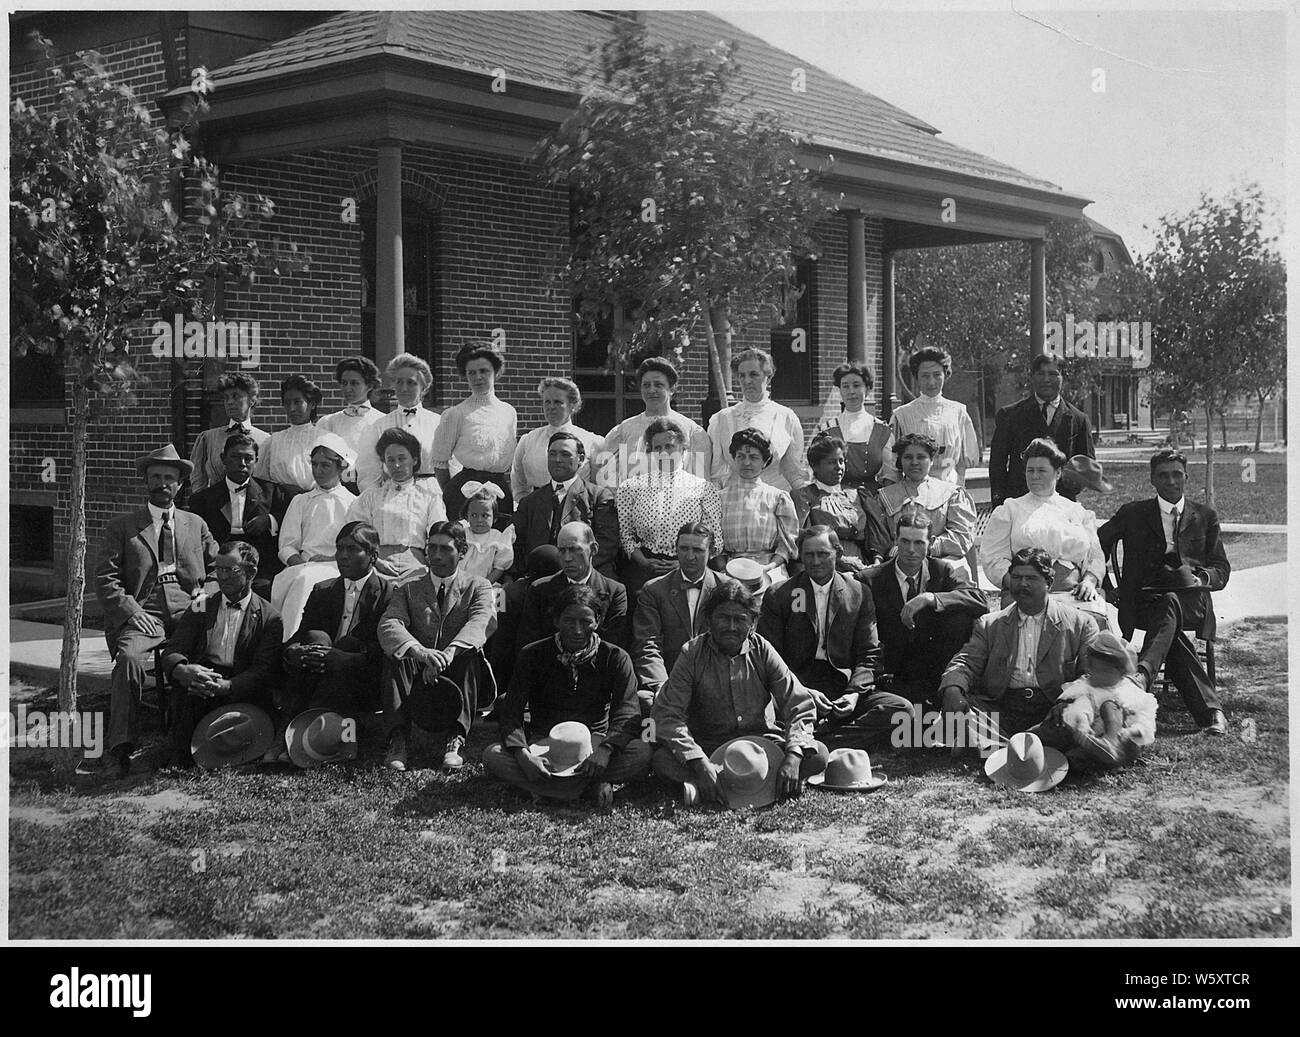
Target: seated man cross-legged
x: 727, y: 683
x: 226, y: 650
x: 573, y: 677
x: 823, y: 625
x: 436, y: 624
x: 1018, y: 658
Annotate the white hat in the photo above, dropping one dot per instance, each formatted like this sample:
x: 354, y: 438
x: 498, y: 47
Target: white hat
x: 333, y: 441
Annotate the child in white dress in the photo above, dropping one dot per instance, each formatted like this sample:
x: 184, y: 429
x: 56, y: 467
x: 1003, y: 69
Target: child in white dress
x: 1110, y: 705
x: 491, y: 552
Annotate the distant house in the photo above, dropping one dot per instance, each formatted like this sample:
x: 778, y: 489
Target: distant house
x: 394, y: 112
x: 1122, y: 400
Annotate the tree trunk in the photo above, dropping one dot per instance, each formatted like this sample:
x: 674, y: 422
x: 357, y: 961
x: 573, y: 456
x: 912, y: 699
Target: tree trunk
x: 1223, y: 428
x: 76, y: 549
x: 715, y: 362
x: 1259, y: 421
x: 722, y: 332
x: 1209, y: 455
x: 979, y: 404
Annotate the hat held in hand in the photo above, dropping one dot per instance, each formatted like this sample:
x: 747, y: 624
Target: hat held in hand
x: 848, y: 770
x: 1167, y: 578
x: 753, y: 574
x: 1026, y: 765
x: 232, y: 735
x: 747, y: 771
x: 564, y: 750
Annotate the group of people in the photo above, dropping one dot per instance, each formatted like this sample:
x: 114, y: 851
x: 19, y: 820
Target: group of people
x: 713, y: 604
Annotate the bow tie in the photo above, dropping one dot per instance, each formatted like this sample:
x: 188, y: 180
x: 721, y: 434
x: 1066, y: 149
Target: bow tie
x: 242, y: 429
x: 356, y: 410
x: 236, y: 606
x: 408, y: 411
x: 240, y: 489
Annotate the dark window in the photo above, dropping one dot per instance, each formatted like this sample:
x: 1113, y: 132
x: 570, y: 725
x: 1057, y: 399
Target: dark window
x: 36, y: 380
x: 31, y: 534
x: 793, y: 339
x: 607, y: 397
x: 418, y: 271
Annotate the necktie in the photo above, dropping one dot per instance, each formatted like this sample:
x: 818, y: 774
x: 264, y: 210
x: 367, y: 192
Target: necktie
x: 442, y: 597
x: 912, y: 587
x: 1046, y: 420
x: 1172, y: 552
x: 166, y: 552
x: 557, y: 511
x: 351, y: 593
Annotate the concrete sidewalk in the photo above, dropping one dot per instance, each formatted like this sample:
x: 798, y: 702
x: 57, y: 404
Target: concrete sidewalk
x: 34, y: 650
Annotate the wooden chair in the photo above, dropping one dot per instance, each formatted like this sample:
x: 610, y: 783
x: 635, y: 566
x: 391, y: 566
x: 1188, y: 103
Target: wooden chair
x: 162, y: 691
x: 1204, y: 648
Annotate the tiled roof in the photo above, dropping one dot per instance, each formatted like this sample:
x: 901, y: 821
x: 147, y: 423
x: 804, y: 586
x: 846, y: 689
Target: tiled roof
x: 543, y: 47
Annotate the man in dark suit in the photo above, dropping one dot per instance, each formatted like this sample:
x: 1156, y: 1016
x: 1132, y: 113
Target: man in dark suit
x: 151, y: 563
x: 1017, y: 659
x: 226, y: 649
x: 578, y: 546
x: 542, y: 513
x: 1160, y: 536
x: 334, y: 660
x: 436, y: 625
x: 823, y: 624
x: 241, y: 508
x: 668, y: 612
x: 1043, y: 414
x: 503, y: 647
x: 925, y: 611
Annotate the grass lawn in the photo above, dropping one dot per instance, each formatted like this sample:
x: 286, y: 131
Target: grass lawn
x: 1263, y: 501
x: 1193, y: 842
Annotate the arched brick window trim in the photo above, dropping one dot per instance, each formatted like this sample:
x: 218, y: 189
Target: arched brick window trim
x: 426, y: 191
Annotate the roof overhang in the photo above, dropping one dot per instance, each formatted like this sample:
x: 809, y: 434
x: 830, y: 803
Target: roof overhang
x: 380, y: 95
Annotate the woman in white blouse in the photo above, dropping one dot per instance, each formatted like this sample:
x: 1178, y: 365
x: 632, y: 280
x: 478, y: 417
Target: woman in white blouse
x: 402, y: 508
x: 480, y: 433
x: 932, y: 414
x: 310, y: 528
x: 1043, y: 518
x: 624, y: 453
x: 754, y: 369
x: 410, y: 378
x: 284, y: 458
x: 653, y: 506
x: 357, y: 378
x: 561, y: 400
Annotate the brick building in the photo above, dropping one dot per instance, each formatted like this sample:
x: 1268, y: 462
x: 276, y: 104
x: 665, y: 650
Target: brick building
x: 396, y: 112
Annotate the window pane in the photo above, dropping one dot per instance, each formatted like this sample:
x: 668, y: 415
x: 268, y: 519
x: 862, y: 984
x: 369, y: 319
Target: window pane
x: 598, y: 414
x: 792, y: 342
x: 35, y: 380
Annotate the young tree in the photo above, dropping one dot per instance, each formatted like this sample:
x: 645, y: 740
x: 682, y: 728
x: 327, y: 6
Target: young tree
x: 1217, y: 283
x: 1265, y: 369
x: 97, y: 238
x: 688, y: 209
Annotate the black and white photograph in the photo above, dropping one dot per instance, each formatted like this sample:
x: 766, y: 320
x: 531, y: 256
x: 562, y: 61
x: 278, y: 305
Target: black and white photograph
x: 706, y: 475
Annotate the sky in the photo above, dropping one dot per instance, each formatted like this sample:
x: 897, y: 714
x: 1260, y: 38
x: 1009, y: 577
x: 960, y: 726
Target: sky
x: 1193, y: 103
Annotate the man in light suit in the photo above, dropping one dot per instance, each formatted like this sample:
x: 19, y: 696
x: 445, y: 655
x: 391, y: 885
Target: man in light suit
x: 1041, y: 415
x: 152, y: 562
x: 1018, y: 658
x: 578, y: 546
x: 823, y: 624
x: 334, y: 659
x: 241, y: 508
x: 225, y: 650
x: 436, y: 624
x: 1160, y: 536
x: 668, y: 612
x: 569, y: 498
x: 925, y: 611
